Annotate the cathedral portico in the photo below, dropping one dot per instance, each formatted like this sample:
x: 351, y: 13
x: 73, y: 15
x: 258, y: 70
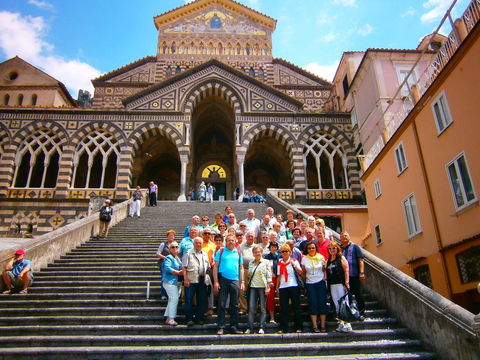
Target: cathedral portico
x: 213, y: 105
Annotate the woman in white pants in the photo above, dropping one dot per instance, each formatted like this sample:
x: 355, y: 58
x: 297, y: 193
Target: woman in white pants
x: 136, y: 203
x: 171, y: 268
x: 337, y: 278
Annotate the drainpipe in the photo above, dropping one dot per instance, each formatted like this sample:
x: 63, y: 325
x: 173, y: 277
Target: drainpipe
x: 432, y: 210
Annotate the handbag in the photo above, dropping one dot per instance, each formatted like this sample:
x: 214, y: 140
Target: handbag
x: 300, y: 282
x: 348, y: 308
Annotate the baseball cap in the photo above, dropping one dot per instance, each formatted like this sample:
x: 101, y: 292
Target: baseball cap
x: 20, y: 252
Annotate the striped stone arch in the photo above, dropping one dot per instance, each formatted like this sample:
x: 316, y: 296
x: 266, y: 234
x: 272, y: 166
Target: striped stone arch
x: 148, y: 130
x: 4, y: 138
x: 275, y: 131
x: 329, y: 129
x: 346, y: 144
x: 24, y: 132
x: 279, y: 133
x: 212, y: 88
x: 111, y: 128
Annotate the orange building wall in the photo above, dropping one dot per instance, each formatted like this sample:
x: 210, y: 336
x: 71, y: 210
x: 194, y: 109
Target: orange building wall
x: 460, y: 87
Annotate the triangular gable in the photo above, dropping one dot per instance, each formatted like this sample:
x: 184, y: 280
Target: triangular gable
x: 253, y: 96
x: 29, y: 75
x: 137, y: 71
x: 187, y: 10
x: 290, y: 74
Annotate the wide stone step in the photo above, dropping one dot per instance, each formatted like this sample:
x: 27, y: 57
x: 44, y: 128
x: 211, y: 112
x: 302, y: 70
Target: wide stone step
x: 122, y: 310
x: 15, y: 329
x: 182, y: 350
x: 143, y: 276
x: 92, y: 289
x: 194, y: 339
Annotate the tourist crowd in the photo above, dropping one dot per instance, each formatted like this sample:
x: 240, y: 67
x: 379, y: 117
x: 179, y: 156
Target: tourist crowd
x: 243, y: 266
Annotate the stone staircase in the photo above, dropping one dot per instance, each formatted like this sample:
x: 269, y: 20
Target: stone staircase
x: 92, y: 304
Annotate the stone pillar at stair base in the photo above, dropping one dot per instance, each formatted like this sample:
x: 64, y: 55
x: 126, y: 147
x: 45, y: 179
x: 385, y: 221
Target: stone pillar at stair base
x: 241, y: 180
x: 183, y: 178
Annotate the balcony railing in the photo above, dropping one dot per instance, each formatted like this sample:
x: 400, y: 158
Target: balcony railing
x: 400, y: 106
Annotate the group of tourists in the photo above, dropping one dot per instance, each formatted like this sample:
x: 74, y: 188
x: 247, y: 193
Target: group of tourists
x: 243, y: 266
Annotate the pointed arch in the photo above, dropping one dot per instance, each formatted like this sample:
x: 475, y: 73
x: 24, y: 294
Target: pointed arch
x: 37, y: 159
x: 328, y: 158
x: 212, y: 88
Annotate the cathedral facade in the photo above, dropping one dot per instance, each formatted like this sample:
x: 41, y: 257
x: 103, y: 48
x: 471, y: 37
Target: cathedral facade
x: 213, y: 105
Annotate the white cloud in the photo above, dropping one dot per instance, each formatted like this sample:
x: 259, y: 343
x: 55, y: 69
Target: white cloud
x: 24, y: 36
x: 41, y: 4
x: 365, y: 30
x: 329, y: 37
x: 409, y: 12
x: 324, y: 71
x: 436, y: 12
x: 323, y: 19
x: 345, y: 2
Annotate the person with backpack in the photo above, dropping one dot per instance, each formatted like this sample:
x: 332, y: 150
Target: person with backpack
x: 106, y: 212
x: 228, y: 280
x: 136, y: 202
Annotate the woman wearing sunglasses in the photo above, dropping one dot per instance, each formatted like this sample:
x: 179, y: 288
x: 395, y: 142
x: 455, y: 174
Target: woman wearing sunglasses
x: 287, y: 286
x: 313, y: 268
x: 171, y: 269
x: 337, y: 278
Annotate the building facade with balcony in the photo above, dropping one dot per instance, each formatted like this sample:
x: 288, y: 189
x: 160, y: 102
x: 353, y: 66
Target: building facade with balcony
x: 422, y: 184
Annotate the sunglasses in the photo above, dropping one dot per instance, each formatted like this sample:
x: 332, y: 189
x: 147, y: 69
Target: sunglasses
x: 173, y: 247
x: 218, y: 240
x: 312, y: 248
x: 284, y: 251
x: 207, y: 234
x: 332, y: 248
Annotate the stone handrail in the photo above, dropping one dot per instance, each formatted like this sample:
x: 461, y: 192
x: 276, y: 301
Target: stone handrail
x: 440, y: 324
x: 46, y: 248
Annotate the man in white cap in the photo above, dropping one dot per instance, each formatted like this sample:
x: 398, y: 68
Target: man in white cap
x: 18, y: 273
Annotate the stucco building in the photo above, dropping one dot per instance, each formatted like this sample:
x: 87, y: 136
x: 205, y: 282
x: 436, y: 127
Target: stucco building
x: 212, y: 105
x: 421, y: 182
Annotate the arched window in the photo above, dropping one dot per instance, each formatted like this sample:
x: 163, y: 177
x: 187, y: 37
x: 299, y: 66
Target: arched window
x: 261, y: 74
x: 164, y: 47
x: 6, y: 99
x: 182, y: 49
x: 37, y: 160
x: 173, y: 48
x: 33, y: 100
x: 193, y: 48
x: 239, y: 49
x: 211, y: 50
x: 251, y: 72
x: 325, y: 163
x: 201, y: 49
x: 228, y: 50
x: 220, y: 49
x: 168, y: 71
x: 20, y: 100
x: 178, y: 70
x: 256, y: 50
x: 247, y: 50
x: 96, y: 161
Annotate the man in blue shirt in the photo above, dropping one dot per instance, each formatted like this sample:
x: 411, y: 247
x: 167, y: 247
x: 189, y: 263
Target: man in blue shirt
x: 228, y: 280
x: 18, y: 273
x: 354, y: 255
x: 187, y: 242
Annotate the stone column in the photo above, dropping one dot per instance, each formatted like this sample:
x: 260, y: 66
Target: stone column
x: 64, y: 180
x: 124, y: 173
x: 183, y: 178
x: 7, y: 166
x: 241, y: 180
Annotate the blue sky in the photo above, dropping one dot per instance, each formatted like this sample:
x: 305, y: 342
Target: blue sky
x: 77, y: 40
